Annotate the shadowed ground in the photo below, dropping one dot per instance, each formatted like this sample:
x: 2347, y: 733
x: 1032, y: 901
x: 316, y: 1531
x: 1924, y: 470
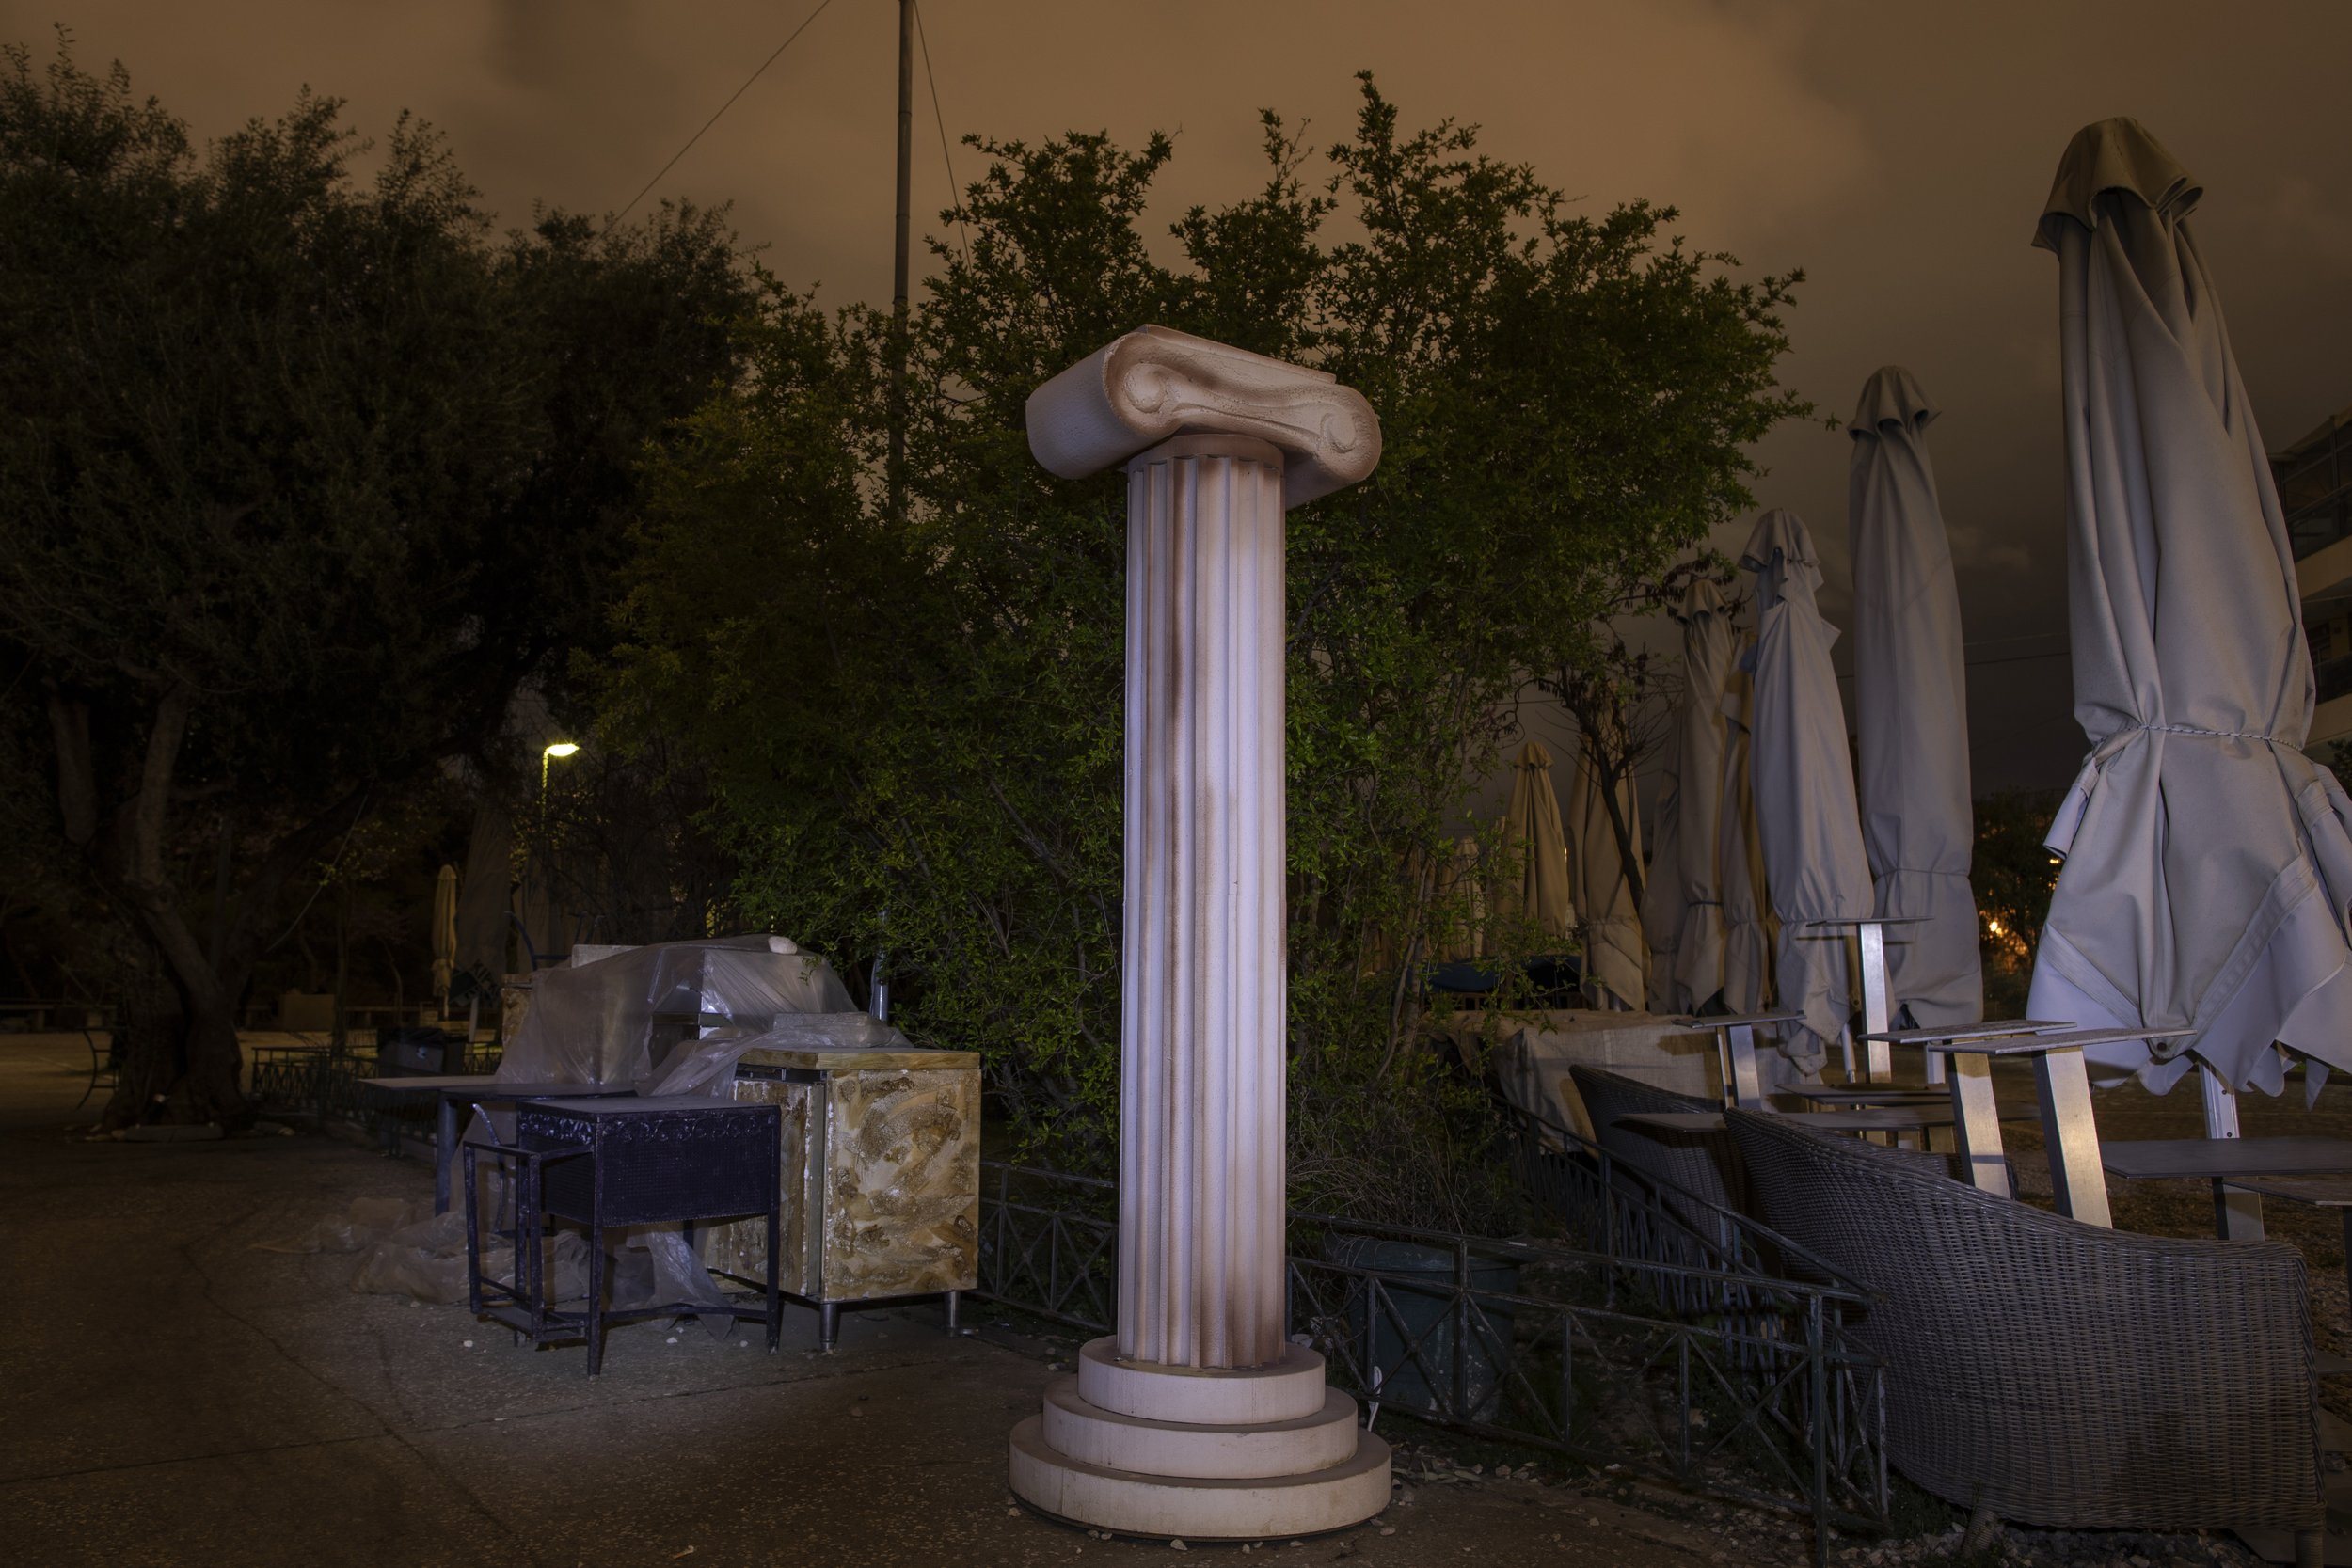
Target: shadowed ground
x: 169, y: 1394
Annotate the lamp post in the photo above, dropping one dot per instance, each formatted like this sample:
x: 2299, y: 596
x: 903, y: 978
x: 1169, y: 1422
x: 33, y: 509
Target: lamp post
x: 560, y: 749
x: 544, y: 850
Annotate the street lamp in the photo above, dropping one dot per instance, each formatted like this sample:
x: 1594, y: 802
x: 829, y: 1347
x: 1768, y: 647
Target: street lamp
x: 560, y: 749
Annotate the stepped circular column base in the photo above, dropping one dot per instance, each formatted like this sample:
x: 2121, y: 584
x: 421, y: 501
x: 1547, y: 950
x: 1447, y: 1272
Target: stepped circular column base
x: 1086, y: 1431
x: 1290, y: 1389
x: 1198, y: 1507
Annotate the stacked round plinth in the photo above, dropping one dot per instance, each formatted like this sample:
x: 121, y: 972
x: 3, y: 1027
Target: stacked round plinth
x: 1198, y: 1418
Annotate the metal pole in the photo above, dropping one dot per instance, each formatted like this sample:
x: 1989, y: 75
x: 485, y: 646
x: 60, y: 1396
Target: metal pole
x: 2238, y: 1216
x: 899, y: 271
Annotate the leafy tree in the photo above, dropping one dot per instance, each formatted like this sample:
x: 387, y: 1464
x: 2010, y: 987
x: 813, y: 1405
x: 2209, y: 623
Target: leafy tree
x: 301, y: 478
x: 915, y: 726
x: 2013, y: 875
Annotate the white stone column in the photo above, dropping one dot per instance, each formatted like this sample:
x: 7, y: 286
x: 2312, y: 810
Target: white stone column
x: 1201, y: 1182
x: 1198, y: 1419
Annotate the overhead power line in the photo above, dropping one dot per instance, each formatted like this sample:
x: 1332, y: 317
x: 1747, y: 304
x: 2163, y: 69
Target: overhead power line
x: 738, y: 92
x: 955, y: 192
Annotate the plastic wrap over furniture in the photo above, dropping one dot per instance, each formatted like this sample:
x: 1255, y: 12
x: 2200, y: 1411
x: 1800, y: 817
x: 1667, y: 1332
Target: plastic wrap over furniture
x: 1152, y: 385
x: 2055, y: 1373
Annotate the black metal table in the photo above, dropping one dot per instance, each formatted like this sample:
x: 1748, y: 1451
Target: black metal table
x: 455, y: 1089
x: 603, y: 1162
x: 2227, y: 1163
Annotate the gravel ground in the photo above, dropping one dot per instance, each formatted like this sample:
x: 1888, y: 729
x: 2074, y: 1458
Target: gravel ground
x: 169, y: 1395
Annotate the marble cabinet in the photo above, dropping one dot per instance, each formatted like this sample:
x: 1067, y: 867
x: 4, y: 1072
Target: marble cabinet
x: 881, y: 1174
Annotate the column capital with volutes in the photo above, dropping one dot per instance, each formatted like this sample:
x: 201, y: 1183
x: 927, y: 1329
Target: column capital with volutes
x: 1153, y: 384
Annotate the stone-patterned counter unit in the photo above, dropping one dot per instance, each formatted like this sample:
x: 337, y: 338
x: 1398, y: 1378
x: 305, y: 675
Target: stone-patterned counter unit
x: 881, y: 1175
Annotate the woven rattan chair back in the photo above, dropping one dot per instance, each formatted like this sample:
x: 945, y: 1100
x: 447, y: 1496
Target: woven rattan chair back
x: 2055, y: 1373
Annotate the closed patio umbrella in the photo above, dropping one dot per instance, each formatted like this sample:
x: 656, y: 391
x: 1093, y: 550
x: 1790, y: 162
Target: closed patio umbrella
x: 1700, y: 734
x: 444, y: 930
x: 1617, y: 962
x: 1749, y: 928
x: 1532, y: 834
x: 2207, y: 862
x: 1662, y: 906
x: 1911, y: 707
x: 1804, y: 801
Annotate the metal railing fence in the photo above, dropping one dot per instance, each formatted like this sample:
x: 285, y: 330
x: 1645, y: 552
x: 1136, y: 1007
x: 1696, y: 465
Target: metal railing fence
x: 1637, y: 1339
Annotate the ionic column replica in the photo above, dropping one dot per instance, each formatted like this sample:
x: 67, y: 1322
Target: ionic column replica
x: 1198, y: 1419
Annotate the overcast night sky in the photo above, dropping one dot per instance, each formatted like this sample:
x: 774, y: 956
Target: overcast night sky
x: 1898, y: 154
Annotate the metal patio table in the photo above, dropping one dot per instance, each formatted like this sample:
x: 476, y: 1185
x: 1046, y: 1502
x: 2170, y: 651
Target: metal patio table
x: 2320, y: 1191
x: 1878, y: 1015
x: 473, y: 1088
x: 1735, y: 1050
x: 2240, y: 1163
x: 1869, y: 1118
x: 2062, y: 1085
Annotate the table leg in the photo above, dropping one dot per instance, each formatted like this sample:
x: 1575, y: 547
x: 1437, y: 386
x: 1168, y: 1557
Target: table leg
x: 443, y: 1149
x: 1877, y: 1013
x: 1977, y: 1124
x: 2237, y: 1214
x: 1740, y: 1077
x: 2072, y: 1136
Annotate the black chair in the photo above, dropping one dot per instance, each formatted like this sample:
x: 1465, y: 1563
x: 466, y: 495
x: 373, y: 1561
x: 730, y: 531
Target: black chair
x: 621, y: 1162
x: 106, y: 1064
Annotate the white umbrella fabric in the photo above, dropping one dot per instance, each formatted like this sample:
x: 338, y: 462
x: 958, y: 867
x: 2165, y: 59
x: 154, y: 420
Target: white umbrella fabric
x: 1803, y: 780
x: 1696, y: 819
x: 1616, y: 962
x: 1911, y: 707
x: 1531, y: 833
x: 1749, y: 928
x: 2208, y: 865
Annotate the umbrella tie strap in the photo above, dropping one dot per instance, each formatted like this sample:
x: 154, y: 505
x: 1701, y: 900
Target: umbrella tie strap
x: 2216, y: 735
x: 2069, y: 812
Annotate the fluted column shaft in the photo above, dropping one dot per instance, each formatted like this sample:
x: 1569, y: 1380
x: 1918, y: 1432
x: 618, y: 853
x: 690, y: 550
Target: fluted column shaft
x: 1202, y: 1106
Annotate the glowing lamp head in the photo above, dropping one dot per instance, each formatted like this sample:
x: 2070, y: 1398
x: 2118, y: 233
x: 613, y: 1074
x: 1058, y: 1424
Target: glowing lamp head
x: 561, y: 749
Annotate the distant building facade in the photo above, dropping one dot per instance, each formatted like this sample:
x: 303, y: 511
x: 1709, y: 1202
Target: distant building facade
x: 2315, y: 478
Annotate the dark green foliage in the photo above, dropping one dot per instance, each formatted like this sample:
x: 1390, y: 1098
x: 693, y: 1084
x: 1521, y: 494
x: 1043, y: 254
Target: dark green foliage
x: 922, y: 716
x: 2014, y: 875
x: 301, y: 478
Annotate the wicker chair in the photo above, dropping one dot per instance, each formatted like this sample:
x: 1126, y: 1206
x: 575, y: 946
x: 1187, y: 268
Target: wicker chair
x: 2055, y: 1372
x: 1703, y: 1165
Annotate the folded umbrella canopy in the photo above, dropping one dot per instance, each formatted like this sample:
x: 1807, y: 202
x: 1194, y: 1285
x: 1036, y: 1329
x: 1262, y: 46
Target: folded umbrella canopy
x: 1696, y: 807
x: 2208, y: 865
x: 444, y: 930
x: 1616, y: 962
x: 1804, y: 801
x: 1662, y: 905
x: 1749, y: 928
x: 1532, y: 835
x: 1911, y: 706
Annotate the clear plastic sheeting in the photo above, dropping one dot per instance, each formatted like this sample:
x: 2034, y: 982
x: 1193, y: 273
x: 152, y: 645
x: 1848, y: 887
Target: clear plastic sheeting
x: 407, y: 1250
x: 707, y: 1065
x: 611, y: 1020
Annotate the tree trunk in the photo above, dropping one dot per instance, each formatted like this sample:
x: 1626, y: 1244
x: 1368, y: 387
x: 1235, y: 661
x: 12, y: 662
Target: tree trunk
x: 181, y: 1057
